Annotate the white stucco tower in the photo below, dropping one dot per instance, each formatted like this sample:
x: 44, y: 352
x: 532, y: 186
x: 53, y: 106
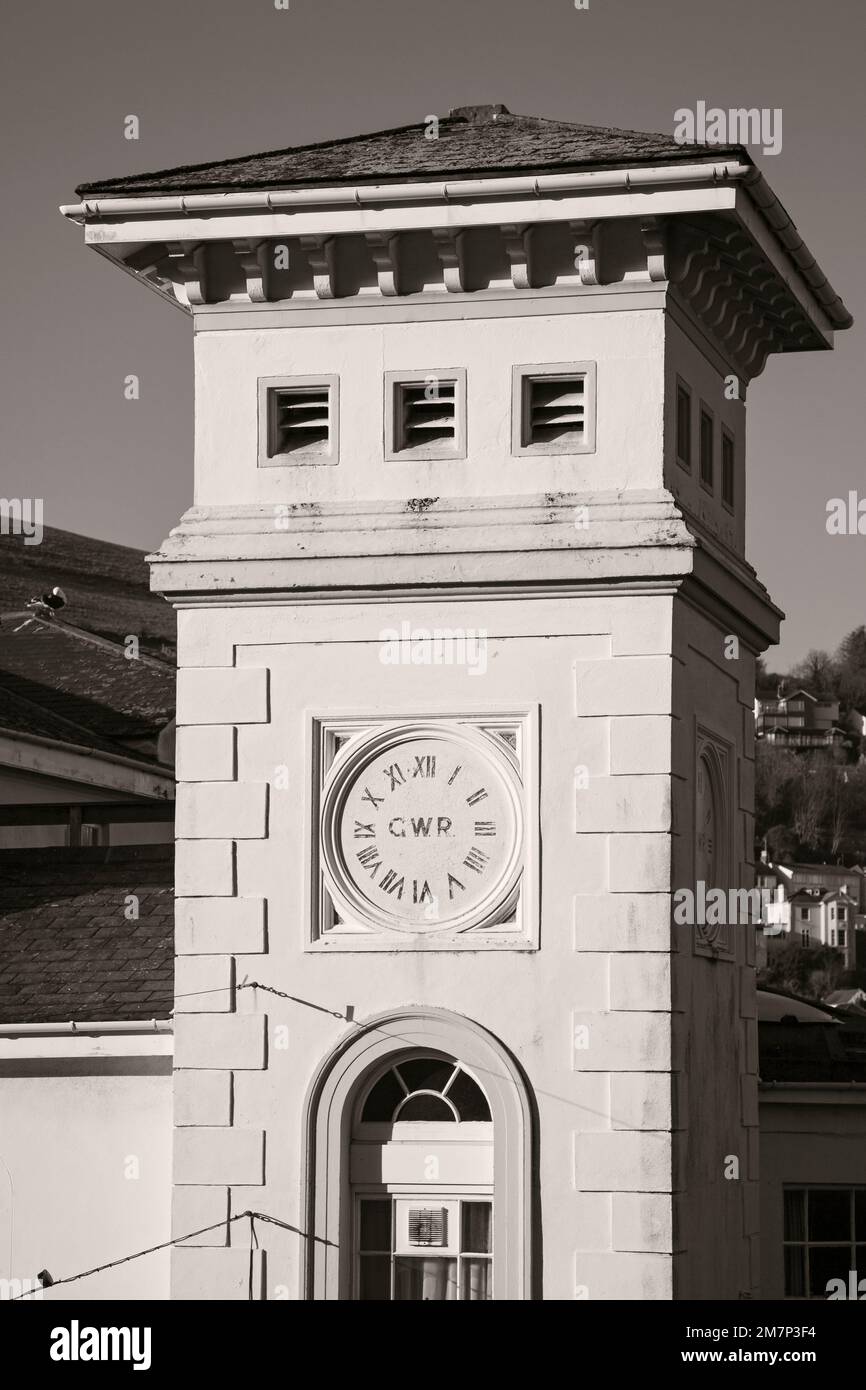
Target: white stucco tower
x: 466, y: 646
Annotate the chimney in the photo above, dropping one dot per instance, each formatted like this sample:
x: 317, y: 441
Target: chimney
x: 478, y: 115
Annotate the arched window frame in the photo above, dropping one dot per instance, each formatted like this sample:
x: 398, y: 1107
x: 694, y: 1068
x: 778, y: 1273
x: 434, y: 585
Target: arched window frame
x: 330, y: 1111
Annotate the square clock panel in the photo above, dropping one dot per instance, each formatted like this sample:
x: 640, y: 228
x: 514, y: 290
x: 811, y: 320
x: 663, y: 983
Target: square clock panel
x: 423, y: 827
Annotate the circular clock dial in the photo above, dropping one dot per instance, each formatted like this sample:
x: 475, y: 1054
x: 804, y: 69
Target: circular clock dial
x: 422, y: 829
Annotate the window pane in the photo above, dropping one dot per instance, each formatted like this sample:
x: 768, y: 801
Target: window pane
x: 427, y: 1108
x: 728, y: 469
x: 376, y: 1224
x: 860, y: 1215
x: 476, y: 1227
x: 476, y: 1280
x: 795, y: 1214
x: 706, y: 449
x: 683, y: 426
x: 426, y: 1073
x: 829, y: 1214
x: 795, y: 1271
x: 383, y: 1100
x: 375, y: 1277
x: 431, y: 1280
x: 469, y: 1098
x: 827, y: 1262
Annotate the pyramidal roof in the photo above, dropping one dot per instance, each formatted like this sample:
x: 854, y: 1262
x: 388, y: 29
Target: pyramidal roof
x: 470, y: 140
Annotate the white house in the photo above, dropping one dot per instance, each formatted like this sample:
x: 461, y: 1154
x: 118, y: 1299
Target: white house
x: 466, y: 677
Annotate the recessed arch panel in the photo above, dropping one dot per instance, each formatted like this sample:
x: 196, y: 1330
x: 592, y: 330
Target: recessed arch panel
x: 331, y: 1106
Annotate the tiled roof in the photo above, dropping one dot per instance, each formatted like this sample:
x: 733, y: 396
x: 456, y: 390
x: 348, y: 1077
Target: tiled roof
x: 812, y: 1052
x: 21, y: 716
x: 106, y: 586
x: 809, y: 1043
x: 471, y: 140
x: 90, y: 684
x: 68, y: 951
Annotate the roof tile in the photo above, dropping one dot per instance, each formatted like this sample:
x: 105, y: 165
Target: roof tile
x: 471, y: 140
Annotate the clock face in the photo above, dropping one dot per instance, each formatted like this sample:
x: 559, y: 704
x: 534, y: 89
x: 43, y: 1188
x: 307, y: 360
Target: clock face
x: 706, y: 848
x: 422, y: 829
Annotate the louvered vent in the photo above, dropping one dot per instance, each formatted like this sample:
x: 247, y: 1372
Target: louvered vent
x: 556, y: 414
x: 427, y: 416
x: 428, y: 1226
x: 300, y: 420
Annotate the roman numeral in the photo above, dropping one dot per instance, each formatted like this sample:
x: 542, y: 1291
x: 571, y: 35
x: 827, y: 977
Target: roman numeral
x: 396, y: 776
x: 391, y: 883
x: 366, y: 832
x: 369, y: 858
x: 454, y: 773
x: 476, y: 859
x: 425, y: 895
x: 373, y: 800
x: 425, y: 766
x: 454, y: 883
x: 485, y: 827
x: 480, y: 795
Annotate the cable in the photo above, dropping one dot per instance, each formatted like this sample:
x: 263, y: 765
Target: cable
x: 178, y: 1240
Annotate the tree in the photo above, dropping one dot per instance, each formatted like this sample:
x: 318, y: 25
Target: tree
x: 851, y: 666
x: 817, y: 672
x: 812, y: 972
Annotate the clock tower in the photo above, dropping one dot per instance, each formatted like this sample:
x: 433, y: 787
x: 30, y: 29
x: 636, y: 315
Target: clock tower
x: 466, y: 670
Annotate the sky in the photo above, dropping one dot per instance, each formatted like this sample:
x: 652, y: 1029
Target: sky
x: 209, y: 79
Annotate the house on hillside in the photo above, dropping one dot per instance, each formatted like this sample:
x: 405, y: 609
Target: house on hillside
x: 816, y: 904
x: 799, y: 721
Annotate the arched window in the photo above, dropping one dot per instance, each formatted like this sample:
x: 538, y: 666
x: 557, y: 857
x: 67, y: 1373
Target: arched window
x: 422, y: 1183
x: 425, y: 1088
x: 419, y: 1166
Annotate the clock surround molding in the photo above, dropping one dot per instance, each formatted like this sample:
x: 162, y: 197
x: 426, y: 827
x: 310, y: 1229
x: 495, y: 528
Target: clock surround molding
x: 493, y: 885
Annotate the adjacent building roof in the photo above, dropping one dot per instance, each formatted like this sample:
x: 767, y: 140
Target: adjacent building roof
x: 470, y: 140
x: 68, y: 950
x: 802, y: 1042
x: 106, y: 586
x: 59, y: 682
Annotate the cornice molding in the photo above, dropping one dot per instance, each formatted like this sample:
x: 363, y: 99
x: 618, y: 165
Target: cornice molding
x: 461, y: 548
x: 728, y: 284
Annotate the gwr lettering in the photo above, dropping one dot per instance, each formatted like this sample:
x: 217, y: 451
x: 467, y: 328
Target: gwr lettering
x: 420, y: 826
